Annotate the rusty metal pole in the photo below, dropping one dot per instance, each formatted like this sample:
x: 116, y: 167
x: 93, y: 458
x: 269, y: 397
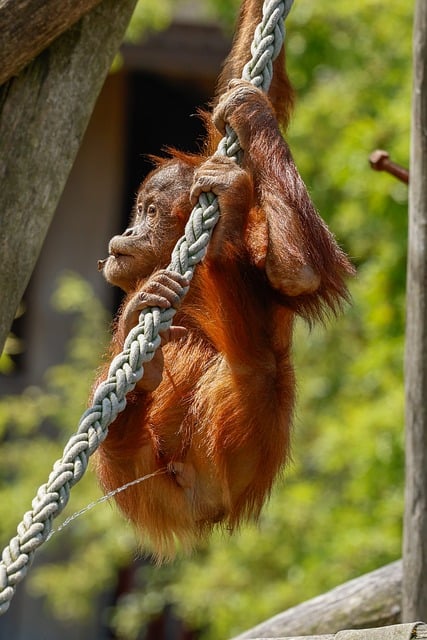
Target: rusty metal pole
x: 380, y: 161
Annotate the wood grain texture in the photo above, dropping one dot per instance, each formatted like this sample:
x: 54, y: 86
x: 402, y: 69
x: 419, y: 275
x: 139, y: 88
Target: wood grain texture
x: 43, y: 115
x: 373, y: 600
x: 29, y: 26
x: 415, y: 521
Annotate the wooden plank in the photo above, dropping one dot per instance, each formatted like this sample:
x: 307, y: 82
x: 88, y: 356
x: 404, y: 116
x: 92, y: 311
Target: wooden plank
x: 29, y: 26
x: 415, y: 521
x: 372, y: 600
x: 181, y: 50
x: 323, y: 637
x: 395, y: 632
x: 43, y: 115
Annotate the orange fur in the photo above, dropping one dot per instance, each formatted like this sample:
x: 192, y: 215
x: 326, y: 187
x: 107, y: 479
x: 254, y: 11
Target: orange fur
x: 220, y: 419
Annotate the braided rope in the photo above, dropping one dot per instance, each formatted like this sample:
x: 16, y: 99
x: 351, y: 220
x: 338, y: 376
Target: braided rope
x: 140, y: 345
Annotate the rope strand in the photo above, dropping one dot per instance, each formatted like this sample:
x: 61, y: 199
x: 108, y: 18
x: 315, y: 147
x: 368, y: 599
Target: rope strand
x: 128, y: 367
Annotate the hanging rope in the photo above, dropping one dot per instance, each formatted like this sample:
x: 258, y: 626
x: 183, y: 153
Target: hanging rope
x: 141, y: 343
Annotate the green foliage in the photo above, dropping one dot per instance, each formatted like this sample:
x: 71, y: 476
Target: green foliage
x: 225, y: 10
x: 11, y: 348
x: 337, y: 513
x: 153, y: 16
x: 34, y: 426
x: 149, y: 16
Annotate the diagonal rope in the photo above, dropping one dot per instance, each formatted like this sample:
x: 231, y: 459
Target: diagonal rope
x: 141, y: 343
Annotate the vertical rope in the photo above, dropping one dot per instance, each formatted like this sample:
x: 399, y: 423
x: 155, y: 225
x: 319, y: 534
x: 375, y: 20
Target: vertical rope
x: 140, y: 345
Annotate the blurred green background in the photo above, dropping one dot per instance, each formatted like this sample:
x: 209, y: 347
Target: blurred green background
x: 337, y: 513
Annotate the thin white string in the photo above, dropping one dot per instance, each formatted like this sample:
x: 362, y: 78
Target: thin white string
x: 104, y: 498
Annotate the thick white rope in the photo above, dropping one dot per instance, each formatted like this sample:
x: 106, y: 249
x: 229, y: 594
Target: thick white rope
x: 140, y: 345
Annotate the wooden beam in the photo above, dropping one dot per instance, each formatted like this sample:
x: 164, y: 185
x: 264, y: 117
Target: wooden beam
x: 182, y: 50
x: 373, y: 600
x: 415, y: 521
x: 43, y: 115
x: 410, y: 631
x: 29, y: 26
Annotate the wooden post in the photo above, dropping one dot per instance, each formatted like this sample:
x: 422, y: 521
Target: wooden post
x: 43, y: 115
x: 29, y: 26
x: 414, y: 605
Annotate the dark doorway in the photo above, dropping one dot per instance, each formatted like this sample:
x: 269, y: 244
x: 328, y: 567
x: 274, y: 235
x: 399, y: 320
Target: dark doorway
x: 162, y: 113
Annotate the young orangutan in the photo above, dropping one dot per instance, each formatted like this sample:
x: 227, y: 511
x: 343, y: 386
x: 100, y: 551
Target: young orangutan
x: 214, y: 407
